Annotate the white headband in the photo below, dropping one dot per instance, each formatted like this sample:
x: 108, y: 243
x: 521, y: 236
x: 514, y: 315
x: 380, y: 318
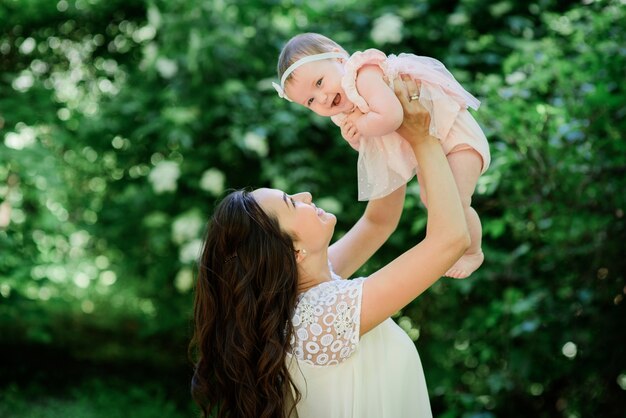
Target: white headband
x: 310, y: 58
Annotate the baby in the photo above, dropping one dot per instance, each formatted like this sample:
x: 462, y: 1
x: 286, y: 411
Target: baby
x: 355, y: 91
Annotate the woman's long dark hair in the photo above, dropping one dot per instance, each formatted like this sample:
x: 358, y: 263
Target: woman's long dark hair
x: 245, y: 295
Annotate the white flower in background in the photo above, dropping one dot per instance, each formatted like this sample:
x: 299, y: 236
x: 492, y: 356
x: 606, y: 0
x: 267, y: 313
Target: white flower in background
x: 213, y: 181
x: 190, y: 252
x: 515, y: 77
x: 256, y: 142
x: 145, y: 33
x: 387, y: 29
x: 27, y: 46
x: 184, y: 280
x: 187, y: 227
x: 23, y: 82
x: 164, y: 176
x: 24, y: 137
x: 166, y: 67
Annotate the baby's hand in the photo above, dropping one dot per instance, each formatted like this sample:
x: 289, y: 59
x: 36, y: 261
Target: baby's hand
x: 350, y: 133
x: 354, y: 115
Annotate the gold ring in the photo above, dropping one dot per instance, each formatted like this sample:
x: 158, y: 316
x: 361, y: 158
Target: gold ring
x: 414, y: 97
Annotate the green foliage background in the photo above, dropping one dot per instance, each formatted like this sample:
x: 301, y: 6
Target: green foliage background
x: 122, y: 122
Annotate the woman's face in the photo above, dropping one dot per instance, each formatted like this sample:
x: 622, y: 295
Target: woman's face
x: 297, y: 214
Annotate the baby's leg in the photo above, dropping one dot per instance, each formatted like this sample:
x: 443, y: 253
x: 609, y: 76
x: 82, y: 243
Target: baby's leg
x: 466, y: 165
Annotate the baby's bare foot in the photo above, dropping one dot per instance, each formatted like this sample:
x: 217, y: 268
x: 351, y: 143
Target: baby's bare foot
x: 466, y: 265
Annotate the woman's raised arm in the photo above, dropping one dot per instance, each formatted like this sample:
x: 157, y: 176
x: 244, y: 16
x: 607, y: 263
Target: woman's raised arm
x: 397, y: 284
x: 378, y: 222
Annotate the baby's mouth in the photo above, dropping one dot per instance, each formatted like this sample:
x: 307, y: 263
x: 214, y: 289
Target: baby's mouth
x: 337, y: 100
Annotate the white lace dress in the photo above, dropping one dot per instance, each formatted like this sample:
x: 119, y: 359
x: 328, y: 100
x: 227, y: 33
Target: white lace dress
x: 343, y: 376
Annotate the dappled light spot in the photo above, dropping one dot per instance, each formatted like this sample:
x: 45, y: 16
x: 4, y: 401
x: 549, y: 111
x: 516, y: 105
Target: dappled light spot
x: 118, y: 142
x: 79, y: 238
x: 167, y: 68
x: 407, y: 325
x: 87, y: 306
x: 57, y: 210
x: 212, y: 181
x: 387, y: 29
x: 621, y: 381
x: 18, y: 216
x: 106, y: 86
x: 256, y: 141
x: 64, y: 114
x: 41, y: 183
x: 164, y: 177
x: 31, y: 292
x: 45, y: 293
x: 5, y: 290
x: 461, y: 345
x: 57, y: 274
x: 102, y: 262
x: 23, y: 82
x: 147, y: 307
x: 187, y: 226
x: 81, y: 280
x: 97, y: 184
x: 137, y: 171
x: 536, y: 389
x: 62, y: 6
x: 190, y: 252
x: 108, y: 277
x: 90, y: 154
x: 184, y: 280
x: 23, y: 137
x: 569, y: 350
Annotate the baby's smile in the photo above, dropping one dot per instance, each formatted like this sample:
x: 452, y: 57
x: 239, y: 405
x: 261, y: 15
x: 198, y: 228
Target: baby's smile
x: 337, y: 100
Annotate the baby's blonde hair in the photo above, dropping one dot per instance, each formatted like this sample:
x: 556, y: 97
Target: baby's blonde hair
x: 303, y: 45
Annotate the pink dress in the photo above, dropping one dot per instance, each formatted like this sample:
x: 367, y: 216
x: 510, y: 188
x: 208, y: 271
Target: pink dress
x: 387, y: 162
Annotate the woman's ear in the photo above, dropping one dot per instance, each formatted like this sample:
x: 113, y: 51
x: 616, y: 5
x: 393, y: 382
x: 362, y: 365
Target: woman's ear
x: 300, y: 255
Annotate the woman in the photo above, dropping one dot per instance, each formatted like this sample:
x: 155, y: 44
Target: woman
x: 279, y: 334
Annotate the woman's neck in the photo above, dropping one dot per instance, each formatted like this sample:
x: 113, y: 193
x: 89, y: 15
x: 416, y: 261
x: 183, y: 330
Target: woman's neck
x: 312, y: 272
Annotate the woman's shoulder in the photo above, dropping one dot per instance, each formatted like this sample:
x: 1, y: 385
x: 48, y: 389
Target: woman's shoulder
x: 326, y: 292
x: 326, y: 322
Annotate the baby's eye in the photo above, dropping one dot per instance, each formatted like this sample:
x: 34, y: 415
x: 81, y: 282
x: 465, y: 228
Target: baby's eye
x: 309, y: 102
x: 319, y: 82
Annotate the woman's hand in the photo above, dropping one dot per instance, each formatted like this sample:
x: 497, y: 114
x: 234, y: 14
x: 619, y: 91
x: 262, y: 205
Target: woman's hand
x: 415, y: 126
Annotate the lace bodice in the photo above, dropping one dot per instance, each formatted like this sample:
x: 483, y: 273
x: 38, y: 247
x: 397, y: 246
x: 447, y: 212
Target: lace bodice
x: 327, y: 322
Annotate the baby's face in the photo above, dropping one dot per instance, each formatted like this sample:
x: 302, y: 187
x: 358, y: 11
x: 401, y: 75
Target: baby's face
x: 317, y: 86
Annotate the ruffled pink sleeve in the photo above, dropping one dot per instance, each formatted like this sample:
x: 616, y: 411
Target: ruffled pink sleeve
x: 352, y: 67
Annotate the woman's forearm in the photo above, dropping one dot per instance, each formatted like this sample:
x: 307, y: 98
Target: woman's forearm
x: 445, y: 213
x: 387, y: 210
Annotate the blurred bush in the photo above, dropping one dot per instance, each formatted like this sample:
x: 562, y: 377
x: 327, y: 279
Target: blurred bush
x: 122, y: 123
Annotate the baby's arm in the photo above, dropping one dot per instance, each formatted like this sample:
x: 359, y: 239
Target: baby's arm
x: 385, y: 115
